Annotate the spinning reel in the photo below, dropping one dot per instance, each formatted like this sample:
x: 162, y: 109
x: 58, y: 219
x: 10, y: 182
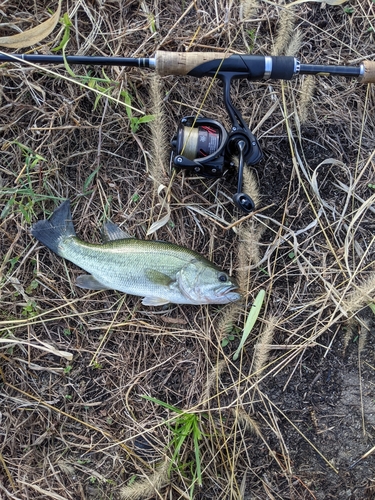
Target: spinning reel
x: 203, y: 146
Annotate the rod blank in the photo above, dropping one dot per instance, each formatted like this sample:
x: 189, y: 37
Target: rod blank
x: 317, y: 69
x: 142, y: 62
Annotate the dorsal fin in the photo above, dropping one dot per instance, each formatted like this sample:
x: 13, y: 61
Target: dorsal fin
x: 112, y: 232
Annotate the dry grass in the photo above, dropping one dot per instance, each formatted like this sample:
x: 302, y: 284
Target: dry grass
x: 289, y: 417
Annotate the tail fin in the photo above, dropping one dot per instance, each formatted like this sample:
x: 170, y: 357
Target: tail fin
x: 54, y: 231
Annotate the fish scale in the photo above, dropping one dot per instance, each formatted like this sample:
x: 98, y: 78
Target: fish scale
x: 106, y: 262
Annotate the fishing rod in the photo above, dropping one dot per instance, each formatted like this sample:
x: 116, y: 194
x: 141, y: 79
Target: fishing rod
x: 201, y: 145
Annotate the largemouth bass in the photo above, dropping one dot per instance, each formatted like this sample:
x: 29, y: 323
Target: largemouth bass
x: 158, y: 271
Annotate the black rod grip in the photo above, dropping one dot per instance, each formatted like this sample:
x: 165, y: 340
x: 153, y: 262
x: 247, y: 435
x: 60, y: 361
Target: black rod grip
x: 283, y: 67
x: 251, y: 67
x: 264, y: 67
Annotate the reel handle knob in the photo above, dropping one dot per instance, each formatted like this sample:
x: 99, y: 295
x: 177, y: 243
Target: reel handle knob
x: 244, y: 202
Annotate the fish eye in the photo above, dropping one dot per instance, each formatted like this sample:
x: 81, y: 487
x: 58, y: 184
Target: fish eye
x: 223, y: 278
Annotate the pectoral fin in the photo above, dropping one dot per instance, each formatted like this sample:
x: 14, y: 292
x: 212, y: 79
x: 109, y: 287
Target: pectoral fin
x: 154, y: 301
x: 112, y: 232
x: 89, y: 282
x: 158, y: 278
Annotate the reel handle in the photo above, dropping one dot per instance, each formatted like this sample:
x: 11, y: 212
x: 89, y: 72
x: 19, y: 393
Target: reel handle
x: 242, y: 200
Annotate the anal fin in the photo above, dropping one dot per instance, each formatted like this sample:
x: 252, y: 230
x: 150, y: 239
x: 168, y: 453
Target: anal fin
x: 88, y: 281
x: 154, y: 301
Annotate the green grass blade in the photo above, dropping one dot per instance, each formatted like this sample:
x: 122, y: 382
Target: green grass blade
x: 162, y: 403
x: 250, y: 322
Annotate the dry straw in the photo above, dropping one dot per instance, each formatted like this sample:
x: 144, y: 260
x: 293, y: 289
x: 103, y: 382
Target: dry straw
x: 294, y: 44
x: 248, y: 232
x: 212, y: 378
x: 149, y: 486
x: 306, y: 95
x: 361, y: 296
x: 284, y: 33
x: 249, y: 8
x: 263, y: 346
x: 159, y: 151
x: 247, y: 422
x: 249, y: 236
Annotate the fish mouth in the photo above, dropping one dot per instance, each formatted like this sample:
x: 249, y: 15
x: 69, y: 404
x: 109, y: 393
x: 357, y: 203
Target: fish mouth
x: 228, y: 295
x: 229, y: 290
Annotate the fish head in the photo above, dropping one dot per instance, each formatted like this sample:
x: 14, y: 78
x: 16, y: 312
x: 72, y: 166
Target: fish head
x: 203, y: 283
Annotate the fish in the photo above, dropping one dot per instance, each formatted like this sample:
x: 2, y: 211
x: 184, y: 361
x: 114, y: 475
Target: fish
x: 159, y: 271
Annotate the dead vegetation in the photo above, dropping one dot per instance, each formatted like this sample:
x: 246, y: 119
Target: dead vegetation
x: 291, y: 417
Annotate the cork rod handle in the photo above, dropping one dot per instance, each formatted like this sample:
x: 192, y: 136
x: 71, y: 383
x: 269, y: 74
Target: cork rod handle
x: 369, y: 74
x: 181, y: 63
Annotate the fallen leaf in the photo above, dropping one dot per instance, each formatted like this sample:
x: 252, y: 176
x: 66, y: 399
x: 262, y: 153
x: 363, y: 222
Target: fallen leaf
x: 163, y: 221
x: 43, y: 346
x: 33, y: 35
x: 329, y: 2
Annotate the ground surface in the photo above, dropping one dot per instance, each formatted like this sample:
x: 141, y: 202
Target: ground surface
x: 292, y: 417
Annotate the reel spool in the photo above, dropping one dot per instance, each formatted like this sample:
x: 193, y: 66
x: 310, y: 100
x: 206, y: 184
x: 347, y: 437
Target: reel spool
x: 203, y: 147
x: 199, y: 147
